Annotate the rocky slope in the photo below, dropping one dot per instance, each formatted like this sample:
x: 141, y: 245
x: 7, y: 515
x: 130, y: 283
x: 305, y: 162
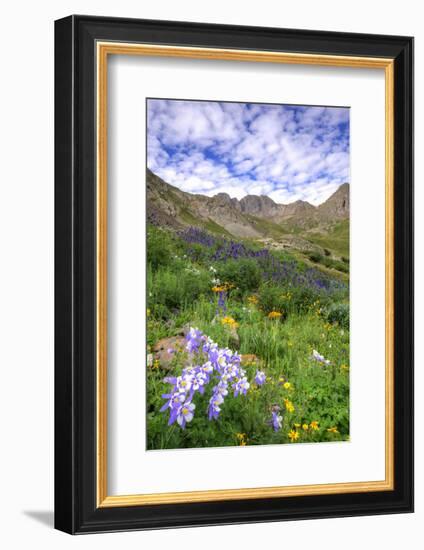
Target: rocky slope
x: 251, y: 217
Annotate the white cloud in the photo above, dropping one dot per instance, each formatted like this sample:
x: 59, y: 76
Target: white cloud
x: 286, y: 152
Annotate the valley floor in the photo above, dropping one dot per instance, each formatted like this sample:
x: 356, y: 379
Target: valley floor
x: 246, y: 346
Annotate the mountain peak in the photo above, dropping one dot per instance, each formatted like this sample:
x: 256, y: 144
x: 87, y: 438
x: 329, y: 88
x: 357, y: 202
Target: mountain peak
x: 253, y: 216
x: 338, y: 205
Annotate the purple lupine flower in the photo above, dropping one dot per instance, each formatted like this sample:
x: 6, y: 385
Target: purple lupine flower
x: 222, y: 307
x: 260, y: 378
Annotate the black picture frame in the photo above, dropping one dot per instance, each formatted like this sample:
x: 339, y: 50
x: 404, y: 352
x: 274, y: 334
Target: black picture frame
x: 76, y: 510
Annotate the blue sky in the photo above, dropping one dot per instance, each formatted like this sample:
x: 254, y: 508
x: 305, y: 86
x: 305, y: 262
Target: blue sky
x: 283, y: 151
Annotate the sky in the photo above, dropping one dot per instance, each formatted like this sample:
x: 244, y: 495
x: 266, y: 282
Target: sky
x: 283, y: 151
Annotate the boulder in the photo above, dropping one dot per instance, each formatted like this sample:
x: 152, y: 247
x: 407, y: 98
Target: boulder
x: 162, y: 353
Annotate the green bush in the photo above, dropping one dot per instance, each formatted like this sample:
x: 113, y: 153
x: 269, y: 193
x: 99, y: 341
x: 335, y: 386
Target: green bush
x: 159, y: 247
x: 271, y: 299
x: 335, y: 264
x: 315, y: 257
x: 245, y: 274
x: 338, y: 313
x: 169, y: 290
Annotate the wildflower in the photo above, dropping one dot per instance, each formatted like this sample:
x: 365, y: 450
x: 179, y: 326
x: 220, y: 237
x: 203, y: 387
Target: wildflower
x: 305, y: 427
x: 274, y: 315
x: 319, y: 358
x: 174, y: 401
x: 281, y: 380
x: 344, y: 367
x: 276, y: 421
x: 242, y: 439
x: 314, y: 425
x: 193, y: 340
x: 287, y: 385
x: 222, y: 307
x: 333, y: 430
x: 288, y: 405
x: 241, y: 386
x: 293, y: 435
x: 218, y: 288
x: 260, y: 378
x: 252, y: 300
x: 156, y: 364
x: 229, y: 321
x: 150, y: 359
x: 249, y: 359
x: 214, y: 406
x: 221, y: 364
x: 185, y: 414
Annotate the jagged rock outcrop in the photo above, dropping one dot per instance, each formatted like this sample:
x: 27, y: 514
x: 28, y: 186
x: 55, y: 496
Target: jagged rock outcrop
x: 253, y: 216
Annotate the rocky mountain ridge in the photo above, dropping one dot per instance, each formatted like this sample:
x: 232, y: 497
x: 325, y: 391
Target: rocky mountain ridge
x: 253, y: 216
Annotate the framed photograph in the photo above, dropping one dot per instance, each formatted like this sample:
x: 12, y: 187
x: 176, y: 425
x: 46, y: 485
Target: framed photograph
x: 234, y: 274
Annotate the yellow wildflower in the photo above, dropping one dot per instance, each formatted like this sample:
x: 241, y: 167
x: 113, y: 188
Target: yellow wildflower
x: 305, y: 427
x: 287, y: 385
x: 229, y: 321
x: 293, y: 435
x: 252, y: 300
x: 314, y: 425
x: 296, y: 425
x: 274, y: 315
x: 242, y: 439
x: 220, y: 288
x: 289, y: 405
x: 249, y: 359
x: 333, y: 430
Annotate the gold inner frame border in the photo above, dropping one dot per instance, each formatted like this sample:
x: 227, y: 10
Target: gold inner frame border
x: 103, y: 50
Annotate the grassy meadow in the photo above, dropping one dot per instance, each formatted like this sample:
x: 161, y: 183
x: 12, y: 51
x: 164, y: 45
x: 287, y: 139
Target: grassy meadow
x: 285, y: 314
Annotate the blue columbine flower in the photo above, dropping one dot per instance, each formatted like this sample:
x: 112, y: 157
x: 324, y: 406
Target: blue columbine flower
x: 185, y: 414
x: 319, y: 358
x: 260, y: 378
x: 276, y: 421
x: 241, y: 386
x: 221, y: 365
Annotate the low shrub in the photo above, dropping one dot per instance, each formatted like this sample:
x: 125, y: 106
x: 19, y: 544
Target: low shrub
x: 338, y: 313
x: 169, y: 291
x: 159, y: 248
x: 315, y: 257
x: 243, y: 273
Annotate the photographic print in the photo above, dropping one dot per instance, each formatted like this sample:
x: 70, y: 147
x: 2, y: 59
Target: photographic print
x: 247, y: 277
